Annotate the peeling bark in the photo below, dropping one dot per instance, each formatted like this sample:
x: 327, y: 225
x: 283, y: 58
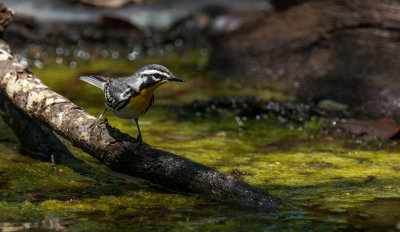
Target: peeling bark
x: 35, y: 138
x: 115, y: 149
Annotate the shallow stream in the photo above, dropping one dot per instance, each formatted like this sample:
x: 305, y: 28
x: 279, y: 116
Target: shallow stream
x: 330, y: 180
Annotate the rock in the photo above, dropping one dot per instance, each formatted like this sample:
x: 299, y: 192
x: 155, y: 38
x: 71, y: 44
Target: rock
x: 384, y: 128
x: 337, y: 50
x: 236, y: 19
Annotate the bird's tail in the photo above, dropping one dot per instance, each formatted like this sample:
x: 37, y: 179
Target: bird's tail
x: 97, y: 81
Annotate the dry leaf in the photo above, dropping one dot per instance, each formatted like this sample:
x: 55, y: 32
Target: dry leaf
x: 383, y: 128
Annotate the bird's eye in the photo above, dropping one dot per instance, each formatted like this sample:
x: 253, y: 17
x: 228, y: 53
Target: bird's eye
x: 156, y: 77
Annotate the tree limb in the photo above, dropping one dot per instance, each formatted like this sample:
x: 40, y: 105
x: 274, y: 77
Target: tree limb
x: 35, y: 138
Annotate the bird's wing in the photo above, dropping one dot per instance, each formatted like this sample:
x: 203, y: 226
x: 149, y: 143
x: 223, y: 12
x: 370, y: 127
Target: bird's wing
x: 98, y: 81
x: 119, y: 90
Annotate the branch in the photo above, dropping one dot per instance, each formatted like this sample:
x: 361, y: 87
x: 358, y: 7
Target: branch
x: 35, y: 138
x: 115, y: 149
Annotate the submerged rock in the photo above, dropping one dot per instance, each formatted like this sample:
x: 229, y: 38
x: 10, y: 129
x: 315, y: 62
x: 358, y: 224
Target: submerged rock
x: 383, y: 128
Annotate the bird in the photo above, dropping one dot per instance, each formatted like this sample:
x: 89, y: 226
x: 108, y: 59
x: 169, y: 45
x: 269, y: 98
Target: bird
x: 132, y: 96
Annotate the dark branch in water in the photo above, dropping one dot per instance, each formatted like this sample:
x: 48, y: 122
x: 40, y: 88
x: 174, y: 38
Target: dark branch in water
x: 37, y: 102
x: 254, y: 106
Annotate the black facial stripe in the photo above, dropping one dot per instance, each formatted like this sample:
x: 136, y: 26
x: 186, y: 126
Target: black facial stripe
x: 146, y: 85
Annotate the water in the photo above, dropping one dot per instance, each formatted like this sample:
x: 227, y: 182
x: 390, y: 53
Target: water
x: 330, y: 181
x: 157, y: 14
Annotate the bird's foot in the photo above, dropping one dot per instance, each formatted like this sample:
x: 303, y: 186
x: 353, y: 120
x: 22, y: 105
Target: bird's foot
x: 139, y: 141
x: 98, y: 121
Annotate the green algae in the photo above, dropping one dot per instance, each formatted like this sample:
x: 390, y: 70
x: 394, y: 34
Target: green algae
x: 331, y: 182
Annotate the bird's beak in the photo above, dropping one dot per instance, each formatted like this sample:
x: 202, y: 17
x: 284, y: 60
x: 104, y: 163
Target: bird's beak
x: 177, y: 79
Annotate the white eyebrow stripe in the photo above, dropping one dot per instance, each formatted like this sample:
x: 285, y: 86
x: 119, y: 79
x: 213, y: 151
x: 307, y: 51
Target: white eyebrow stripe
x: 149, y: 72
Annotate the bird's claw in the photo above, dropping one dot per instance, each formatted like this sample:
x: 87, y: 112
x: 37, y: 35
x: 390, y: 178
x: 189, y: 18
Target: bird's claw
x: 98, y: 121
x: 139, y: 141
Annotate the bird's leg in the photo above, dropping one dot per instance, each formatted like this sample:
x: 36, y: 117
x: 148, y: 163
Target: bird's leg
x: 100, y: 119
x: 139, y: 138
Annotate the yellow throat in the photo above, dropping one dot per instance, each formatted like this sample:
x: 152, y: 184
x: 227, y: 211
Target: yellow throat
x: 142, y: 101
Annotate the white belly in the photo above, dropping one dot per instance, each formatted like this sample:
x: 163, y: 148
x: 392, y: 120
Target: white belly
x: 127, y: 113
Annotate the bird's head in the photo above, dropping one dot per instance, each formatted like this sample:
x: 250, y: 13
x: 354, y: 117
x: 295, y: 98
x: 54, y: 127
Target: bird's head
x: 153, y: 74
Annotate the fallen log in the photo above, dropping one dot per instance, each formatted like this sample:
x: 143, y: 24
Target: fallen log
x: 117, y: 150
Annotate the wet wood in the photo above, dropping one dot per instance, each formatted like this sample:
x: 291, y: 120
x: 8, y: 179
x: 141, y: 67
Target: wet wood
x: 253, y: 106
x: 117, y: 150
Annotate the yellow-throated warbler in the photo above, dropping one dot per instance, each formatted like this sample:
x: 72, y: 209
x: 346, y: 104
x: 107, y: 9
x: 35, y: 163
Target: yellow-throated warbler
x: 130, y: 97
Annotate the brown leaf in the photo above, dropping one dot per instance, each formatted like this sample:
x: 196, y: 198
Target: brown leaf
x: 383, y: 128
